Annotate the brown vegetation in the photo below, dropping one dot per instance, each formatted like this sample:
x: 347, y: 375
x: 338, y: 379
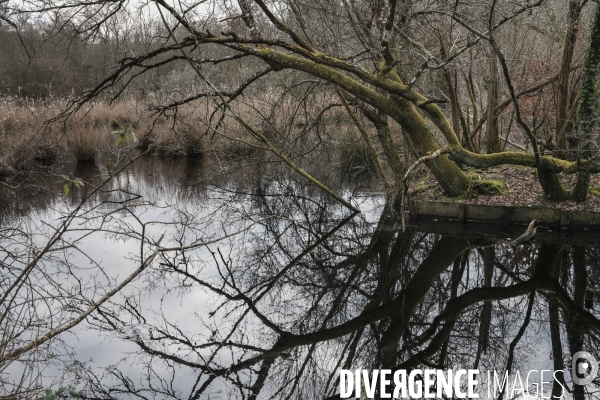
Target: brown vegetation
x: 27, y: 138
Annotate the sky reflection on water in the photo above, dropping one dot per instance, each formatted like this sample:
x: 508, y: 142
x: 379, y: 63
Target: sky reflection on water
x: 275, y: 287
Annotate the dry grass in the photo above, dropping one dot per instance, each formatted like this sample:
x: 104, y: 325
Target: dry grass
x: 26, y: 139
x: 21, y: 142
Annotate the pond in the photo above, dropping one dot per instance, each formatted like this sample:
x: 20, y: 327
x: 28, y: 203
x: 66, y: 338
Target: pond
x: 251, y: 283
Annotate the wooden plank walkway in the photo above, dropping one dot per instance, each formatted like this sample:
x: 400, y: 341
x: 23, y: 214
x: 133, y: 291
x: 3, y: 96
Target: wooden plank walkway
x: 503, y: 215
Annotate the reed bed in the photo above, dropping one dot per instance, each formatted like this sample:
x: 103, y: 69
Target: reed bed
x: 27, y: 139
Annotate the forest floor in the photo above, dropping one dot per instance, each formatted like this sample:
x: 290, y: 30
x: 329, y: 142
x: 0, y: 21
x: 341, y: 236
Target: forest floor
x: 522, y: 188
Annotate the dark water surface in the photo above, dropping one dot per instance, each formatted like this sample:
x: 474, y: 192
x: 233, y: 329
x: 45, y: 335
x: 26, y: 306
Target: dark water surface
x: 262, y: 284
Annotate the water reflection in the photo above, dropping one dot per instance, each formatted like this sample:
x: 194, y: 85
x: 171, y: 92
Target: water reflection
x: 295, y: 289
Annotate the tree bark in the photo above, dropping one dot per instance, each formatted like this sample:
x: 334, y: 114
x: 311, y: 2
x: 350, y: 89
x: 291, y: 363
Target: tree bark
x: 452, y: 179
x: 562, y: 90
x: 492, y: 130
x: 384, y: 134
x: 587, y: 107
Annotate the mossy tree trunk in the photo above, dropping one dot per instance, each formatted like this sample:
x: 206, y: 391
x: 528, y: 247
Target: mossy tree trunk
x: 562, y: 90
x: 384, y: 134
x: 452, y: 179
x: 551, y: 184
x: 587, y: 107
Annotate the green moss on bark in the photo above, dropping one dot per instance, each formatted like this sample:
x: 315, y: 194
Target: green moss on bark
x: 594, y: 191
x: 489, y: 187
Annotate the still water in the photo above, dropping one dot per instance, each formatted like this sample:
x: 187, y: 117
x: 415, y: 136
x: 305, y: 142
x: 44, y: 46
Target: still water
x: 254, y: 284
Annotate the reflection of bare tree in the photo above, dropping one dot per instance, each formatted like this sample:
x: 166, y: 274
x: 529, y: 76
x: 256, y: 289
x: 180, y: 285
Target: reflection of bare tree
x: 50, y: 279
x: 45, y: 293
x: 302, y: 295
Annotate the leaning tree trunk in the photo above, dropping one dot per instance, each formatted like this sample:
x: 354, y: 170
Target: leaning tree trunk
x: 452, y: 179
x: 384, y: 133
x: 587, y: 107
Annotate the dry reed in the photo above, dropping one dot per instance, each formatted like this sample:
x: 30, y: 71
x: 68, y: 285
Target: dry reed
x: 26, y: 140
